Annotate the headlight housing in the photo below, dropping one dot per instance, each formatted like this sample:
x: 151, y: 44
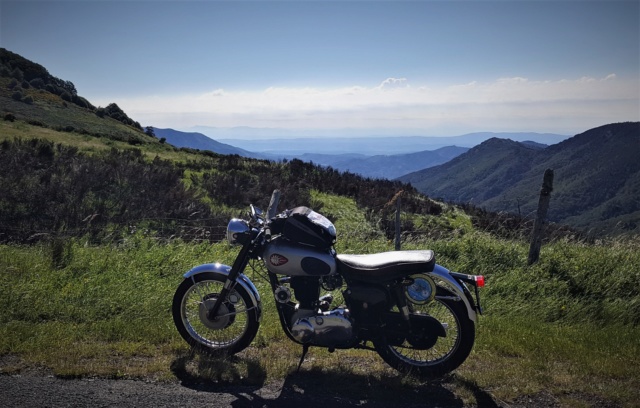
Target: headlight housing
x: 238, y: 231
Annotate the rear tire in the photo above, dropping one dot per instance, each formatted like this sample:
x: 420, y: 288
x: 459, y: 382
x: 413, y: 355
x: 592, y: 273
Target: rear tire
x: 235, y: 326
x: 447, y: 354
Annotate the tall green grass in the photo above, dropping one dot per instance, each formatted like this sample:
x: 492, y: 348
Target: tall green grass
x: 568, y: 324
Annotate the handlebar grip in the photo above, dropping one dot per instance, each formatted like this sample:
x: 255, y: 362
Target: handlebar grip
x: 267, y: 233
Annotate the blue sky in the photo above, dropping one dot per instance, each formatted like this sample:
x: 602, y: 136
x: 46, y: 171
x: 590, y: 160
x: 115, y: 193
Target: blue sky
x: 433, y: 68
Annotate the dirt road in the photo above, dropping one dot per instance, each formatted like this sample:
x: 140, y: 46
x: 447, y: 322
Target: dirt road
x: 300, y: 390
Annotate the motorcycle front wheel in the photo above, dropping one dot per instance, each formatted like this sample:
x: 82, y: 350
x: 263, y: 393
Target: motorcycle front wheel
x: 230, y: 331
x: 439, y: 356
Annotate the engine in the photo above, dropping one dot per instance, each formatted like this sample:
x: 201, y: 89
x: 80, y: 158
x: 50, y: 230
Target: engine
x: 330, y: 329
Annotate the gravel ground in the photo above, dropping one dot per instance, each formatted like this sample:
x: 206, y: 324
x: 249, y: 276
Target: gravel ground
x: 37, y: 387
x: 48, y: 391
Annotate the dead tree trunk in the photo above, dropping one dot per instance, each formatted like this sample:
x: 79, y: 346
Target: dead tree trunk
x: 541, y: 215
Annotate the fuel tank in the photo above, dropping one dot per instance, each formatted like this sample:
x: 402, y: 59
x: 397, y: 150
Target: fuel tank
x: 287, y: 258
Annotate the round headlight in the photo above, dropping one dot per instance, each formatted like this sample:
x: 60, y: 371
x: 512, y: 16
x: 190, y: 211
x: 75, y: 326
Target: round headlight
x: 237, y: 231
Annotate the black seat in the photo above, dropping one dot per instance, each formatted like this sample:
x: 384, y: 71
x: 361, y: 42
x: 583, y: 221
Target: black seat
x: 386, y: 265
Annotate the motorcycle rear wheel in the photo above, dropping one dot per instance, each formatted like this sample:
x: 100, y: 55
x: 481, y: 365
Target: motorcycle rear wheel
x: 447, y: 354
x: 235, y: 325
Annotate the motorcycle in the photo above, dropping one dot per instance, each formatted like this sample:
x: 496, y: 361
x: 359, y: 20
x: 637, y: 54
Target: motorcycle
x: 417, y: 315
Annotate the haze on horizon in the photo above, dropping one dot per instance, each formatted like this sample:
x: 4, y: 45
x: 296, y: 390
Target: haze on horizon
x: 429, y: 68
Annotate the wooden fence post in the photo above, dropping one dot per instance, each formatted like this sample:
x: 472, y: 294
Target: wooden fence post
x: 541, y: 215
x: 398, y: 222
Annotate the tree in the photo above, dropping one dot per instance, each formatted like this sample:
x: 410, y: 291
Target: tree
x: 149, y: 131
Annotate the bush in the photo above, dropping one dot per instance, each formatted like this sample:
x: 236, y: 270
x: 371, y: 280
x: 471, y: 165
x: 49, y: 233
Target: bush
x: 28, y: 100
x: 17, y: 96
x: 37, y: 83
x: 4, y: 71
x: 9, y: 117
x: 17, y: 74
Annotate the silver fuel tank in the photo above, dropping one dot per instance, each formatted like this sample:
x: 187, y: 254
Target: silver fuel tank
x: 286, y: 258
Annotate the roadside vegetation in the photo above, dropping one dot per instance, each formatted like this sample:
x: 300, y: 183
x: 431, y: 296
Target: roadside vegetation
x: 99, y: 219
x: 567, y: 325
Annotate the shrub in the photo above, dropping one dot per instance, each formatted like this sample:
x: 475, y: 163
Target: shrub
x: 149, y: 131
x: 9, y: 117
x: 37, y: 83
x: 17, y: 96
x: 28, y: 100
x: 17, y: 74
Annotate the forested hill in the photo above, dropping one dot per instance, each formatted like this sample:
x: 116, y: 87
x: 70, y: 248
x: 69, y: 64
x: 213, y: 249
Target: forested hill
x: 68, y: 167
x: 596, y: 184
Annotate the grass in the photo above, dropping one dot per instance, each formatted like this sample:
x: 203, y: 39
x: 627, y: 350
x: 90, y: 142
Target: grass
x: 568, y: 325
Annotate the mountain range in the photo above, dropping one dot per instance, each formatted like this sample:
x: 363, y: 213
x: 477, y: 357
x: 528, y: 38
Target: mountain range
x: 353, y: 155
x: 371, y: 145
x: 597, y: 172
x: 199, y: 141
x: 596, y: 178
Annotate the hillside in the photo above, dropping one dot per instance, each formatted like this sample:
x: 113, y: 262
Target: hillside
x: 199, y: 141
x: 596, y: 185
x: 392, y: 166
x: 30, y: 94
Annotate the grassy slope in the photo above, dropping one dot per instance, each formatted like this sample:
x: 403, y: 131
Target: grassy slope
x: 107, y: 313
x: 567, y: 325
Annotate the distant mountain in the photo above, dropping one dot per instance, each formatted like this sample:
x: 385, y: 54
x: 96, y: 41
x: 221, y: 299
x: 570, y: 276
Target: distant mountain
x: 596, y: 183
x: 334, y: 160
x: 199, y: 141
x: 392, y: 166
x: 370, y: 146
x: 380, y: 166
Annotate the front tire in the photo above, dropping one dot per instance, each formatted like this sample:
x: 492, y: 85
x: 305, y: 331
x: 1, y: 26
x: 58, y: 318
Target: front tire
x: 235, y: 325
x: 447, y: 354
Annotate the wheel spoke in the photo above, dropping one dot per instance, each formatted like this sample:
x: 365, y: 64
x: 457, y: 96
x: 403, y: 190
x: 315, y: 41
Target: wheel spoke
x: 444, y: 346
x: 227, y: 331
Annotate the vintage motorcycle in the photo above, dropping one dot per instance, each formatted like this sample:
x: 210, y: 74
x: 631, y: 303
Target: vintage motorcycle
x: 419, y: 317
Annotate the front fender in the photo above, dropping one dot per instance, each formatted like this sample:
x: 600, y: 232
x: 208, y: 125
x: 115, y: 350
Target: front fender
x: 443, y: 273
x: 224, y: 270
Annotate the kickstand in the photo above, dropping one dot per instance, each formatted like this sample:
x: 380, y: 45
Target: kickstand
x: 305, y: 350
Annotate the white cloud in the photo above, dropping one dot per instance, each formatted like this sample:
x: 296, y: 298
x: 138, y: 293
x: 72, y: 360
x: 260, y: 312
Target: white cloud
x: 393, y: 83
x: 516, y: 103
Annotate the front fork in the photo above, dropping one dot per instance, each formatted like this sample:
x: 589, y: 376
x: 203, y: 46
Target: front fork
x: 236, y: 269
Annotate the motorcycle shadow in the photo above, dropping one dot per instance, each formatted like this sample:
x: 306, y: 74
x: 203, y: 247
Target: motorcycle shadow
x: 245, y: 379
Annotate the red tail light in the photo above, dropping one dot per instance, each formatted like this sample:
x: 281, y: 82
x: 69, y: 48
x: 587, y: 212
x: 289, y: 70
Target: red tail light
x: 479, y: 280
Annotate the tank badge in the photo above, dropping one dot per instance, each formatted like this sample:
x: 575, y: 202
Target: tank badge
x: 278, y: 260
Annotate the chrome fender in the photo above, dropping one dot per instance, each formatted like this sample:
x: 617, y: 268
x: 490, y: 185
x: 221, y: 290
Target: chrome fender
x: 443, y: 273
x: 224, y: 270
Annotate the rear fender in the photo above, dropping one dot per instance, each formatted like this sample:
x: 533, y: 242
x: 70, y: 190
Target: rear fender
x: 443, y: 273
x: 223, y: 271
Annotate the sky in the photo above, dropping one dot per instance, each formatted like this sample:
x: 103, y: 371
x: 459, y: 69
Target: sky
x: 432, y: 68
